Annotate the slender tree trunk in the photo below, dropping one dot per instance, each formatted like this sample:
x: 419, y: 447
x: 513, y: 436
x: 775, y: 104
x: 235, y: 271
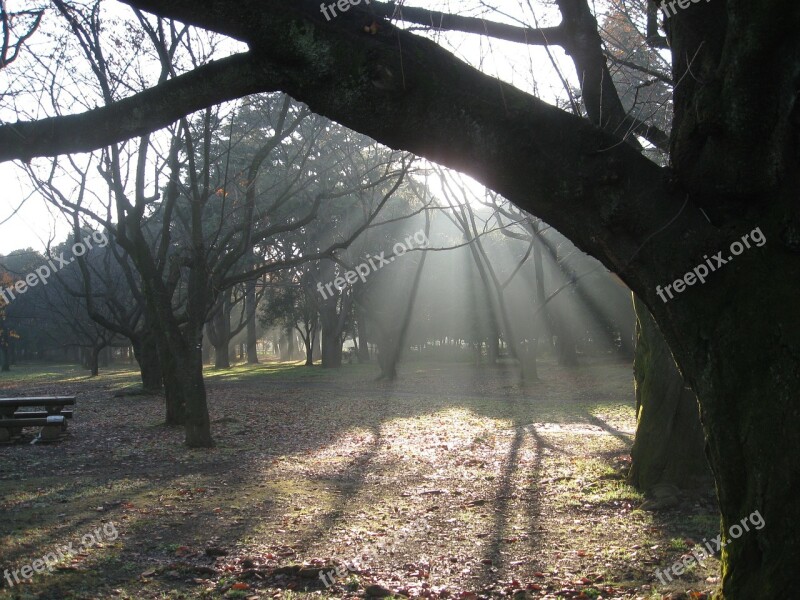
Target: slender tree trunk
x: 283, y: 347
x: 94, y: 360
x: 494, y: 296
x: 252, y: 337
x: 6, y: 359
x: 309, y: 343
x: 530, y: 368
x: 207, y: 346
x: 395, y: 350
x: 291, y: 347
x: 493, y: 348
x: 363, y: 345
x: 105, y: 356
x: 540, y: 324
x: 221, y: 333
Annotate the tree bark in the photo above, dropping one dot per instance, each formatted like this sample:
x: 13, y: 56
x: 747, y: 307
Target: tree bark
x: 190, y: 375
x: 331, y: 348
x: 145, y: 351
x: 94, y: 360
x: 669, y: 445
x: 333, y: 322
x: 173, y: 391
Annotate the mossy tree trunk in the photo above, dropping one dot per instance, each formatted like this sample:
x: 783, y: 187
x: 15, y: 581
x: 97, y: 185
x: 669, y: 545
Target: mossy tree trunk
x: 669, y: 445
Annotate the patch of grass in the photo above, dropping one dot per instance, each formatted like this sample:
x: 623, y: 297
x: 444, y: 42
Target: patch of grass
x: 678, y: 545
x: 292, y: 370
x: 616, y: 492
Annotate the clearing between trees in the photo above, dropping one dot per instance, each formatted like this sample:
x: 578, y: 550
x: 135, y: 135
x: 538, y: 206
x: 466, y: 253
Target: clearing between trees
x: 454, y: 482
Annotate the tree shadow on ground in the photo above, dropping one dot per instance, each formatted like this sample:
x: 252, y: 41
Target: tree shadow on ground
x: 303, y: 470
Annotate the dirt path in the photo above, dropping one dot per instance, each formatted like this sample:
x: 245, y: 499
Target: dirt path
x: 452, y: 483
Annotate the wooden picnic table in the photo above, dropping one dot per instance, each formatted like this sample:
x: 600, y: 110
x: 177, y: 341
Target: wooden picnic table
x: 52, y: 420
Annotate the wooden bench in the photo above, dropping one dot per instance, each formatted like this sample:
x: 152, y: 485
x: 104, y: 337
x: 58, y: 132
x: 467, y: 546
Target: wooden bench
x: 52, y: 420
x: 40, y: 414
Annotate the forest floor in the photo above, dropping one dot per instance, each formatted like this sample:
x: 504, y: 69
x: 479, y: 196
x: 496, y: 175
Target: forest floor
x: 453, y: 482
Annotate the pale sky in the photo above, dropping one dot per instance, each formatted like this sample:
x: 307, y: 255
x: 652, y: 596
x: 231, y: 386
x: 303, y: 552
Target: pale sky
x: 35, y: 222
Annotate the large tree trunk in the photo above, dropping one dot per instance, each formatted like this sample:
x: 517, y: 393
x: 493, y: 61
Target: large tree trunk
x: 742, y: 355
x: 331, y: 349
x: 222, y: 357
x: 332, y: 324
x: 145, y: 351
x: 735, y: 150
x: 190, y: 375
x: 187, y: 343
x: 180, y: 347
x: 173, y: 389
x: 669, y: 446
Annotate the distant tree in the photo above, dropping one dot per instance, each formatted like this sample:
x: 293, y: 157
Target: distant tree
x: 6, y: 333
x: 293, y: 305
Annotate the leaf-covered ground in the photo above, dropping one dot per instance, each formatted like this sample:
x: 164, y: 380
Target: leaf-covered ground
x: 454, y: 482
